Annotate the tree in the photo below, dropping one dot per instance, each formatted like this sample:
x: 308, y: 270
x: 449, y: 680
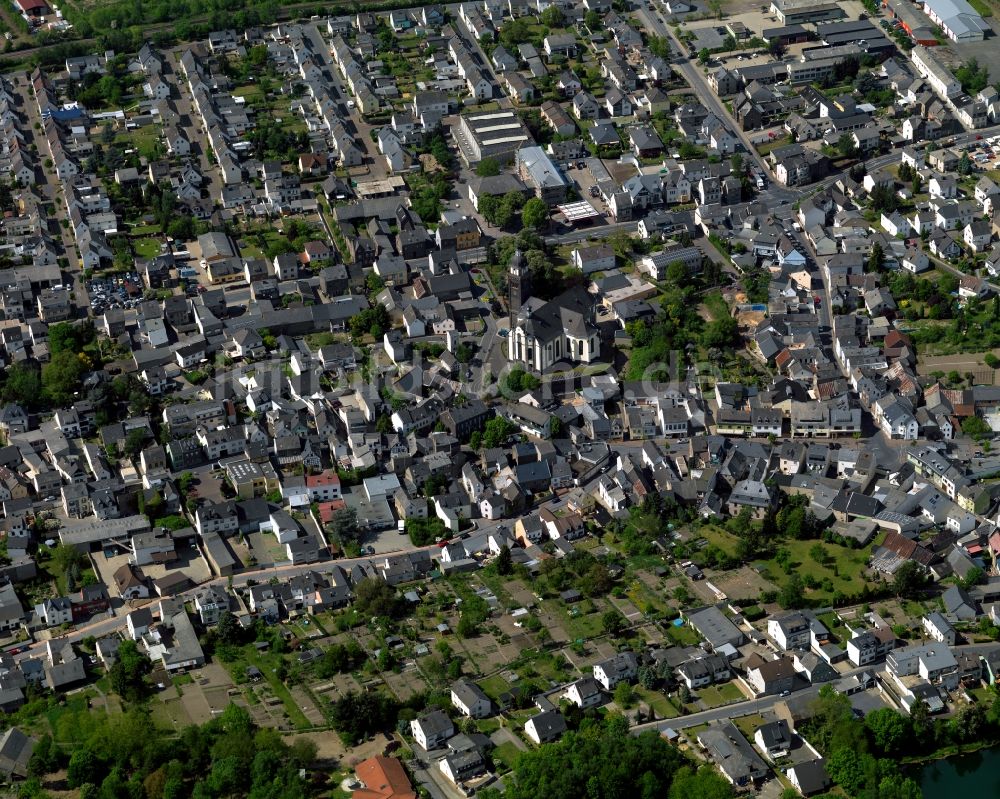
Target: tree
x: 896, y: 786
x: 535, y: 213
x: 876, y: 260
x: 659, y: 46
x: 849, y: 768
x: 504, y: 563
x: 551, y: 17
x: 973, y: 577
x: 964, y: 164
x: 425, y: 531
x: 846, y: 146
x: 976, y: 427
x: 720, y: 333
x: 84, y: 767
x: 134, y: 441
x: 882, y: 198
x: 496, y: 432
x: 704, y: 55
x: 613, y: 622
x: 592, y: 20
x: 677, y: 273
x: 374, y: 598
x: 705, y: 783
x: 374, y: 283
x: 972, y: 77
x: 23, y: 385
x: 647, y: 677
x: 45, y: 758
x: 908, y: 579
x: 500, y: 211
x: 488, y: 167
x: 66, y: 337
x: 968, y: 723
x: 128, y: 673
x: 889, y: 730
x: 475, y: 611
x: 344, y: 526
x: 356, y: 716
x: 624, y: 694
x: 792, y: 594
x: 61, y: 377
x: 601, y: 762
x: 228, y: 631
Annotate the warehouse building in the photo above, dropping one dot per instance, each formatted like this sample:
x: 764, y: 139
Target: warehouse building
x: 797, y: 12
x: 958, y: 20
x: 495, y: 134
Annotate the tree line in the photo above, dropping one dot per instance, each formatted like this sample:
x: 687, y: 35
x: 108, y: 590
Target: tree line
x: 127, y: 757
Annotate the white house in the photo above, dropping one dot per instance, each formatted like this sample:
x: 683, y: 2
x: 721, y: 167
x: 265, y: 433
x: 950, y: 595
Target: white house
x: 547, y: 726
x: 469, y: 699
x: 939, y: 628
x: 623, y: 667
x: 432, y: 729
x: 584, y: 693
x: 915, y: 260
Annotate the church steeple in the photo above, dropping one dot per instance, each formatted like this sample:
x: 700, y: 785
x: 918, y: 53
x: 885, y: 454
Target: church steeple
x: 518, y: 286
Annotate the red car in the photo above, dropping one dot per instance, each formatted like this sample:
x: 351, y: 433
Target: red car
x: 978, y: 137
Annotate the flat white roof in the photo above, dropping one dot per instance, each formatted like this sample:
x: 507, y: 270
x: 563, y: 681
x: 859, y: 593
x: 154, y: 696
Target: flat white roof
x: 577, y: 211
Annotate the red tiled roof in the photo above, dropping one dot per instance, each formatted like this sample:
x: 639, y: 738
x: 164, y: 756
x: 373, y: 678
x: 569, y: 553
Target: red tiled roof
x: 384, y: 778
x: 324, y: 479
x: 328, y: 509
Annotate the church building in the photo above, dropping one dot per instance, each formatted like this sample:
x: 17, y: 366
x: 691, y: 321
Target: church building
x: 543, y: 333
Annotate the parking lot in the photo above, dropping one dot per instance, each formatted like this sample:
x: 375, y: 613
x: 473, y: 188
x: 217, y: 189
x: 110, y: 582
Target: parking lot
x: 117, y: 291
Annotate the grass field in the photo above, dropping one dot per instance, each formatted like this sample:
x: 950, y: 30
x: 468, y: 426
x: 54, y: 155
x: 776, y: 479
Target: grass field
x: 494, y: 685
x: 583, y: 625
x: 716, y: 306
x: 146, y: 247
x: 718, y: 537
x: 644, y: 598
x: 984, y: 7
x: 748, y: 724
x: 844, y: 567
x: 506, y: 755
x: 145, y: 139
x: 658, y: 702
x: 718, y: 695
x: 682, y: 636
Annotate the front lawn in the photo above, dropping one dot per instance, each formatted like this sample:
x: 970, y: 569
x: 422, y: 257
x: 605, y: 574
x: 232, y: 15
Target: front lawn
x: 718, y: 695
